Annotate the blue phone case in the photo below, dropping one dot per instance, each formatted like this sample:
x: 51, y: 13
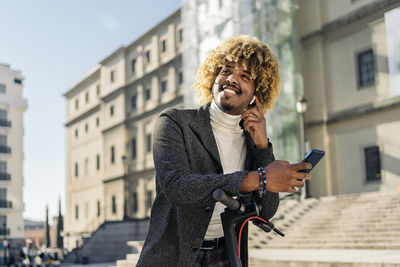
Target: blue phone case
x: 313, y: 156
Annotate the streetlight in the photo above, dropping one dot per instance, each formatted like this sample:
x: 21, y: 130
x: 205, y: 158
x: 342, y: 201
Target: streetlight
x: 125, y: 163
x: 301, y: 106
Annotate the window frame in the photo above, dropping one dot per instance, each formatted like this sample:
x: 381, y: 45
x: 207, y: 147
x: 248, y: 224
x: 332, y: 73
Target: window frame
x: 112, y: 152
x: 373, y: 174
x: 360, y: 67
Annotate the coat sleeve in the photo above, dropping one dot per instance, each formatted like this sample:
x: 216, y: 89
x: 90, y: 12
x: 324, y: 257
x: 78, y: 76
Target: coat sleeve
x: 270, y: 201
x: 174, y: 176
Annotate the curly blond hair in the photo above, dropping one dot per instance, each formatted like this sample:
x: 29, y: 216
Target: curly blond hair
x: 254, y: 56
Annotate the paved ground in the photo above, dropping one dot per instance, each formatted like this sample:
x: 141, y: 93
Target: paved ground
x: 309, y: 257
x: 88, y: 265
x: 382, y: 257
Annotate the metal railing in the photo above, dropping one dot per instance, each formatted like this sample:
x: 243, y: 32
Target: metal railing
x: 5, y: 204
x: 5, y: 176
x: 5, y: 123
x: 5, y: 149
x: 4, y: 231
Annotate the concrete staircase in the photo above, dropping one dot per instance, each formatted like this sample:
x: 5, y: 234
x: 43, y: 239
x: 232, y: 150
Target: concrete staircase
x: 109, y: 242
x: 132, y: 258
x: 361, y: 223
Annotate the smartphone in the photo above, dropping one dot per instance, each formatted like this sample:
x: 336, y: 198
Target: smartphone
x: 313, y: 156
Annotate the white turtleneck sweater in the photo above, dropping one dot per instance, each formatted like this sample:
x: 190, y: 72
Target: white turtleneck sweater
x: 232, y: 152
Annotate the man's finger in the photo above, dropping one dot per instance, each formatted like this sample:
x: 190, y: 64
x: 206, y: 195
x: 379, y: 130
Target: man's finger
x: 302, y: 166
x: 298, y: 183
x: 250, y: 113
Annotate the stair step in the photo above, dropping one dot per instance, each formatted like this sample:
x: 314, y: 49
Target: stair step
x: 133, y: 258
x: 123, y: 263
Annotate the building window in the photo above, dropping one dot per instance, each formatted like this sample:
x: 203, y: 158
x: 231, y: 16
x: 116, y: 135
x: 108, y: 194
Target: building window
x: 220, y: 4
x: 148, y: 143
x: 2, y: 88
x: 98, y: 208
x: 149, y: 199
x: 76, y: 170
x: 17, y: 81
x: 133, y: 148
x: 180, y: 35
x: 112, y: 110
x: 97, y: 162
x: 98, y: 89
x: 135, y: 202
x: 163, y: 46
x: 134, y: 101
x: 76, y: 104
x: 86, y: 127
x: 112, y: 76
x: 180, y: 77
x: 76, y: 212
x: 112, y: 154
x: 133, y: 65
x: 86, y: 166
x: 3, y: 119
x: 148, y: 94
x: 3, y: 223
x: 366, y: 68
x: 113, y: 205
x: 148, y: 56
x: 164, y: 86
x: 3, y: 171
x: 4, y: 148
x: 87, y: 97
x: 372, y: 163
x: 97, y: 121
x: 3, y: 197
x: 76, y: 133
x: 86, y: 210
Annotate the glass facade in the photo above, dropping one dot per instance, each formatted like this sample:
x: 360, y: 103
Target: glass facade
x: 207, y: 23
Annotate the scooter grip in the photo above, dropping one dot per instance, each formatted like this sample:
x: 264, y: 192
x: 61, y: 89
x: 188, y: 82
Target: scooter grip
x: 224, y: 198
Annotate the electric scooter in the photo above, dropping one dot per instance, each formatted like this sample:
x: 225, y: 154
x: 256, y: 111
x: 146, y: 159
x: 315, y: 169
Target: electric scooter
x: 237, y: 212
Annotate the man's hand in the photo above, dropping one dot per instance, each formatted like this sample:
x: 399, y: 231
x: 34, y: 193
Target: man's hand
x: 281, y: 177
x: 254, y: 123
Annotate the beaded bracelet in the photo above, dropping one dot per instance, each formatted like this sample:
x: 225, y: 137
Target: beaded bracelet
x: 263, y: 181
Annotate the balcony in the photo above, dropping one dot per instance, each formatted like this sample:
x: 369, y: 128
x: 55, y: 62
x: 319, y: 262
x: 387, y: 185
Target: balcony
x: 5, y: 149
x: 4, y: 231
x: 5, y: 176
x: 5, y: 123
x: 5, y: 204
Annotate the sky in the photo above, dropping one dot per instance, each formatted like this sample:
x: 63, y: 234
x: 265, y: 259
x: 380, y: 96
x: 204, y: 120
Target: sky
x: 54, y: 43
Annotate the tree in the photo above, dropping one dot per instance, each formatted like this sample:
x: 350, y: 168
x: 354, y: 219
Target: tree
x: 47, y: 227
x: 60, y: 227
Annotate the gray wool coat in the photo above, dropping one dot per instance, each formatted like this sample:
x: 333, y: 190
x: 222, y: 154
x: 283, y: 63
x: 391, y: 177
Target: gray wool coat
x: 188, y: 170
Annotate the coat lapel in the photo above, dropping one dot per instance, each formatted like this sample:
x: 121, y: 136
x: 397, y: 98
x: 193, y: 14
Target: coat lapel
x: 202, y: 129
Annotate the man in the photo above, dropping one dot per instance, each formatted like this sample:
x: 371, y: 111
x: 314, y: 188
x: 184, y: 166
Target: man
x: 219, y: 145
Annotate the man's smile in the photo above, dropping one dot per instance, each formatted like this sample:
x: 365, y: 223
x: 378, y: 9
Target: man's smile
x: 230, y: 89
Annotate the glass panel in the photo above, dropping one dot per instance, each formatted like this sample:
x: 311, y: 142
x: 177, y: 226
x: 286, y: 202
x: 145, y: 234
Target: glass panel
x: 3, y: 167
x: 372, y: 163
x: 3, y: 140
x: 3, y: 194
x: 274, y: 23
x: 3, y: 114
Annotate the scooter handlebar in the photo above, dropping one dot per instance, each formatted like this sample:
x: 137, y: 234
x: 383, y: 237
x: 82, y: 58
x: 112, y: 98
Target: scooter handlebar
x: 224, y: 198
